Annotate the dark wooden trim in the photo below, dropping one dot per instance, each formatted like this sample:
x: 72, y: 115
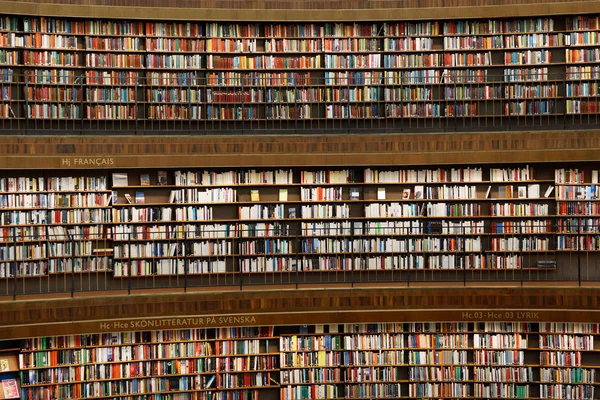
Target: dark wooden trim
x: 86, y: 315
x: 64, y: 152
x: 374, y: 11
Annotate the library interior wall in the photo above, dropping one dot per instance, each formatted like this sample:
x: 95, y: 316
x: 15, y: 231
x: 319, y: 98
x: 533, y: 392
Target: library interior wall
x: 20, y: 319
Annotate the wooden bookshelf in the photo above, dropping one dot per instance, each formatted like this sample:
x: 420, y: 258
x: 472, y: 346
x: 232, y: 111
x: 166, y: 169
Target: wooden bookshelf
x: 458, y: 222
x: 124, y: 75
x: 238, y: 362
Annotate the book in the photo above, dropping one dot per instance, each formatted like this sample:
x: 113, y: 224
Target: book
x: 357, y: 228
x: 533, y: 191
x: 381, y: 193
x: 487, y: 193
x: 354, y: 193
x: 292, y: 212
x: 172, y: 196
x: 419, y: 192
x: 505, y: 192
x: 120, y: 179
x: 11, y: 389
x: 522, y: 192
x: 210, y: 381
x: 162, y: 178
x: 254, y: 195
x: 283, y: 195
x: 145, y: 180
x: 139, y: 197
x: 406, y: 194
x: 128, y: 198
x: 549, y: 191
x: 595, y: 176
x: 4, y: 365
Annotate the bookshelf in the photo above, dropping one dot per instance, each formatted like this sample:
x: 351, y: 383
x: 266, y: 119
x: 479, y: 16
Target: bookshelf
x: 581, y: 52
x: 24, y: 215
x: 500, y: 369
x: 221, y: 75
x: 577, y: 198
x: 174, y: 50
x: 227, y: 226
x: 55, y: 225
x: 188, y: 363
x: 478, y: 360
x: 79, y: 225
x: 563, y: 373
x: 53, y: 61
x: 114, y: 56
x: 182, y: 228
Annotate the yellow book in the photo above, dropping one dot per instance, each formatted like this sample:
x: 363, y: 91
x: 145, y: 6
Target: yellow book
x: 254, y: 195
x: 322, y: 358
x: 283, y: 195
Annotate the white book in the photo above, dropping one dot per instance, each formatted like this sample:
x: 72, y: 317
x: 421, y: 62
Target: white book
x: 595, y: 176
x: 549, y: 191
x: 487, y: 193
x: 120, y: 179
x: 419, y: 192
x: 381, y: 193
x: 533, y: 191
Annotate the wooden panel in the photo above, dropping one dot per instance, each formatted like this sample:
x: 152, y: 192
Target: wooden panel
x: 66, y: 316
x: 226, y: 151
x: 287, y: 10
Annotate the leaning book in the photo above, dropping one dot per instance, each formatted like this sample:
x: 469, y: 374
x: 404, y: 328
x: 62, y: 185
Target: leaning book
x: 11, y: 389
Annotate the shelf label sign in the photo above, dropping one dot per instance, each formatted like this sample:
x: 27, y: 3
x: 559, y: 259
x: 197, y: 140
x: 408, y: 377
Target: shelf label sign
x: 180, y: 323
x: 87, y: 162
x: 491, y: 315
